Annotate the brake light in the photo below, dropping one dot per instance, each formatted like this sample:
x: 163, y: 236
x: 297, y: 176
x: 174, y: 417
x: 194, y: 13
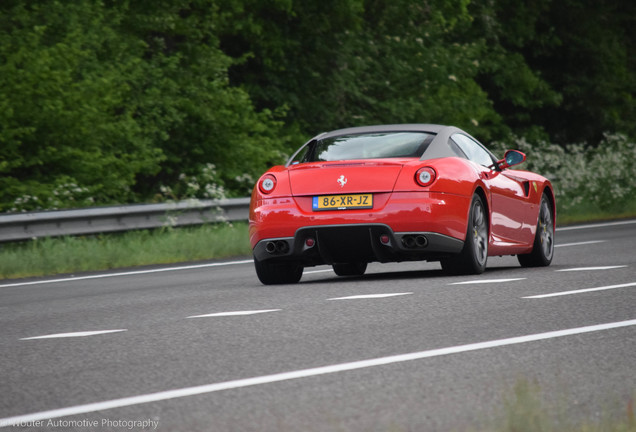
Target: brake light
x: 267, y: 184
x: 425, y: 176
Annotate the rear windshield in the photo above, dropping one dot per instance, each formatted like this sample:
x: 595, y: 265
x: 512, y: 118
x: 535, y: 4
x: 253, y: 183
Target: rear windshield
x: 367, y: 146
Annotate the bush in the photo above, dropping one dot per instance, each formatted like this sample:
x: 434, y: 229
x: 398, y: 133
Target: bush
x: 603, y: 176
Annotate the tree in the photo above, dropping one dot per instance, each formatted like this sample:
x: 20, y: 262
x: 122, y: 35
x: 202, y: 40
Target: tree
x: 565, y: 67
x: 105, y: 102
x: 67, y: 132
x: 359, y: 62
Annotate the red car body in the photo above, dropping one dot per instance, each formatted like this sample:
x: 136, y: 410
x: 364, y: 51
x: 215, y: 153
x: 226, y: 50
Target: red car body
x: 419, y: 205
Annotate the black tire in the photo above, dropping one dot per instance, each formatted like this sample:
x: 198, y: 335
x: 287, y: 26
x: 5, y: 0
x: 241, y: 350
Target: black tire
x: 350, y: 269
x: 273, y: 273
x: 543, y: 246
x: 474, y: 255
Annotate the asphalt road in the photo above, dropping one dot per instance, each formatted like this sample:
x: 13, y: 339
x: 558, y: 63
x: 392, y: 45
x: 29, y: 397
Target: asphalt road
x: 208, y: 348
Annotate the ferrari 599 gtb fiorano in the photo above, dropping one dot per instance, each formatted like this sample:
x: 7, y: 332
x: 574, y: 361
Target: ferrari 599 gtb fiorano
x: 394, y: 193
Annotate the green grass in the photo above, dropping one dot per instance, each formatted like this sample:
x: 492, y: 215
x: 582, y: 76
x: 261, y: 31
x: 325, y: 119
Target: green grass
x: 49, y: 256
x: 586, y: 212
x: 527, y: 409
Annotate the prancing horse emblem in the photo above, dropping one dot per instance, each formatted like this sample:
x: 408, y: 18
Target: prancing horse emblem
x: 342, y: 181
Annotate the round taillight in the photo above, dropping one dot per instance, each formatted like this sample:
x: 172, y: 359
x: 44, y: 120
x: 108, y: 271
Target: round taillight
x: 425, y: 176
x: 267, y: 184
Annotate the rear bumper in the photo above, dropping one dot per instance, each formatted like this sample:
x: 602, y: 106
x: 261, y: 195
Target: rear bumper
x: 329, y: 244
x: 402, y: 212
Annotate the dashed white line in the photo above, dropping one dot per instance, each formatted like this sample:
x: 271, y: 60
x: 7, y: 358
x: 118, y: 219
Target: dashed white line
x: 580, y: 243
x: 486, y: 281
x: 370, y: 296
x: 130, y: 273
x: 581, y: 291
x: 236, y: 313
x: 591, y: 268
x: 317, y: 271
x: 74, y: 334
x: 304, y: 373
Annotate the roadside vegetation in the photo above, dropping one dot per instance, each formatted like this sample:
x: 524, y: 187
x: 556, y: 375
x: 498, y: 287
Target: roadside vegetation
x: 106, y: 102
x: 49, y: 256
x: 527, y: 408
x: 590, y: 182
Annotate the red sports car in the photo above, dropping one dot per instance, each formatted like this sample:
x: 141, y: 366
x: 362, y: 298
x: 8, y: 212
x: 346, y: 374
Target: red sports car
x: 397, y: 193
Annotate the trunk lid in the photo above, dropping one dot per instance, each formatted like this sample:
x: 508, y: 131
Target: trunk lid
x: 331, y: 178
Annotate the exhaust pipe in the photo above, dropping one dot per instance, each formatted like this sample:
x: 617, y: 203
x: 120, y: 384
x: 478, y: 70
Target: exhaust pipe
x: 270, y: 247
x: 421, y: 241
x: 277, y: 247
x: 412, y: 241
x: 408, y: 241
x: 282, y: 246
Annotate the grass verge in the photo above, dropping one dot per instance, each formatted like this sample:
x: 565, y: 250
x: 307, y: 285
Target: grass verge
x: 48, y: 256
x: 589, y: 212
x: 526, y: 409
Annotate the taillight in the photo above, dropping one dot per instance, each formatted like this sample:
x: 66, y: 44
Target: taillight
x: 425, y: 176
x: 267, y: 184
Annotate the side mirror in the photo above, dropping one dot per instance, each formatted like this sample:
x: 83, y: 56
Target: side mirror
x: 511, y: 158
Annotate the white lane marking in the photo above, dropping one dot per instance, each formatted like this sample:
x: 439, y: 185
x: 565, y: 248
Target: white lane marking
x: 131, y: 273
x: 317, y: 271
x: 304, y: 373
x: 486, y: 281
x: 236, y: 313
x: 370, y: 296
x: 591, y: 268
x: 580, y: 243
x: 599, y: 225
x: 74, y: 334
x: 586, y: 290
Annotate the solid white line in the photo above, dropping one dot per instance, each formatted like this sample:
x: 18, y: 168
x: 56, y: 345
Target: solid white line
x: 370, y: 296
x: 130, y: 273
x: 591, y: 268
x: 486, y: 281
x: 75, y: 334
x: 599, y: 225
x: 305, y: 373
x: 586, y: 290
x: 237, y: 313
x: 580, y: 243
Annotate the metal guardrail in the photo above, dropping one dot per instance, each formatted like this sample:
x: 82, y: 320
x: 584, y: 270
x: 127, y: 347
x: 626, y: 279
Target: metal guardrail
x: 24, y: 226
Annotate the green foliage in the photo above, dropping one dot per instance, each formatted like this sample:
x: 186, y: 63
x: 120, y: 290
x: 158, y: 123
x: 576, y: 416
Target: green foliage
x: 567, y: 66
x: 371, y: 62
x: 106, y: 102
x: 401, y: 68
x: 66, y: 120
x: 603, y: 177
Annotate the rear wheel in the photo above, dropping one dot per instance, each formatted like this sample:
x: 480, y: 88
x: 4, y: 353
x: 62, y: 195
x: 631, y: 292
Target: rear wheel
x: 543, y: 247
x: 272, y: 273
x: 474, y: 255
x: 350, y: 269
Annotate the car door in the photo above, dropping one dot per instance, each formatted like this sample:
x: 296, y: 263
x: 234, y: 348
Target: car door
x: 510, y: 207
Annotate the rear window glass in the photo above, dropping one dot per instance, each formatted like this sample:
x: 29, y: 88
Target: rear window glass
x: 368, y: 146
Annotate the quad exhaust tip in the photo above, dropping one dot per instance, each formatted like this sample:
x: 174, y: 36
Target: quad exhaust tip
x: 277, y: 247
x: 414, y: 241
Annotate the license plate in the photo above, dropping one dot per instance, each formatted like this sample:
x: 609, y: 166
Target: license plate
x: 342, y: 202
